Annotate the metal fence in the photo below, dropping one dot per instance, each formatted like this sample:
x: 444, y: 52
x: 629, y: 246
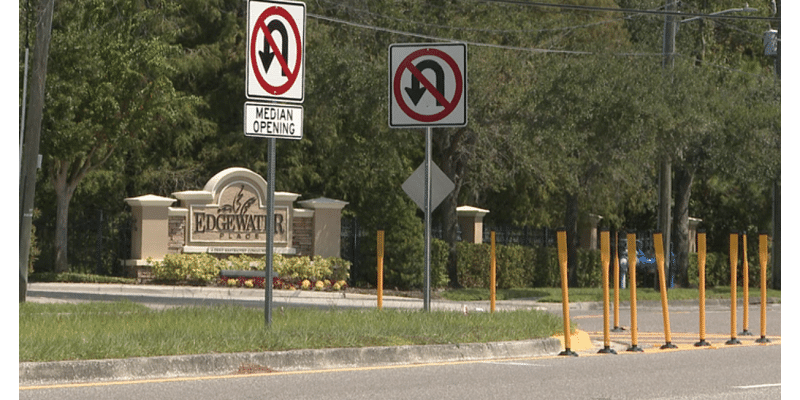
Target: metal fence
x: 95, y: 244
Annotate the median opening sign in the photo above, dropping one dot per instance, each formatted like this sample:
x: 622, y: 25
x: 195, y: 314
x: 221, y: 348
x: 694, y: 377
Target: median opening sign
x: 269, y: 120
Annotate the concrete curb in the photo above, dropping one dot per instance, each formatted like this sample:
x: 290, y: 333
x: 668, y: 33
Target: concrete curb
x: 67, y: 372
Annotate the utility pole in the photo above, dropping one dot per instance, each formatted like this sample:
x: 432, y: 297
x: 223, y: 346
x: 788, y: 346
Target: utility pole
x: 33, y: 128
x: 671, y: 23
x: 665, y: 168
x: 772, y: 48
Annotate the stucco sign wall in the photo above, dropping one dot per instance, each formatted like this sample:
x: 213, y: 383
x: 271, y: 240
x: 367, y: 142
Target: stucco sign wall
x: 228, y: 217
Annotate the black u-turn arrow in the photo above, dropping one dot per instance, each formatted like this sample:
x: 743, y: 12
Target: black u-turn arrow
x: 416, y: 91
x: 267, y: 55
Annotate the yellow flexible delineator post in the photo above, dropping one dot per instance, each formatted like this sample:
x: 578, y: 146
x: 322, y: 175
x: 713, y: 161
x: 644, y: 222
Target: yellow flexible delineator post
x: 617, y: 328
x: 745, y: 290
x: 632, y: 283
x: 493, y: 277
x: 762, y: 259
x: 562, y: 261
x: 658, y: 241
x: 734, y: 259
x: 701, y: 271
x: 380, y: 270
x: 604, y: 264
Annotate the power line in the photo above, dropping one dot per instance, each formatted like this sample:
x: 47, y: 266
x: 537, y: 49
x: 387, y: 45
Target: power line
x: 633, y: 10
x: 516, y: 48
x: 467, y: 29
x: 441, y: 39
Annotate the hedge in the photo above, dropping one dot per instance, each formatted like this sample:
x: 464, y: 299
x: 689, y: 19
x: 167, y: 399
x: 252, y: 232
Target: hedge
x: 718, y: 270
x: 522, y: 266
x: 204, y: 268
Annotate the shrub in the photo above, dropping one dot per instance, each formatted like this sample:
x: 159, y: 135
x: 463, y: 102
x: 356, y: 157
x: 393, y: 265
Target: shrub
x: 546, y: 273
x: 718, y: 270
x: 199, y: 268
x: 589, y: 272
x: 522, y: 266
x: 204, y: 268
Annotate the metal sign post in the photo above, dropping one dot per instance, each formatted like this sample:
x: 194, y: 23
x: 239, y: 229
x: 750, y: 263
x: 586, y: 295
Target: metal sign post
x: 270, y: 231
x: 427, y: 293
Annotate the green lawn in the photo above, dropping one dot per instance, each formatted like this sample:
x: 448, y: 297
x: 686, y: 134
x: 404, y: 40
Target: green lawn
x: 51, y: 332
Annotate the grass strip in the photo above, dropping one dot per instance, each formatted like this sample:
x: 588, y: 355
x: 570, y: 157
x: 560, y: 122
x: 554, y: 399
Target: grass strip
x: 553, y: 295
x: 54, y: 332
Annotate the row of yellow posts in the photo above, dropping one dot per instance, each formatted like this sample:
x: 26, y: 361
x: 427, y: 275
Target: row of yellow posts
x: 659, y: 247
x: 605, y: 261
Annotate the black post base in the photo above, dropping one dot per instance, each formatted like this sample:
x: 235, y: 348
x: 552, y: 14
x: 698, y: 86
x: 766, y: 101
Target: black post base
x: 635, y: 348
x: 568, y: 352
x: 607, y: 350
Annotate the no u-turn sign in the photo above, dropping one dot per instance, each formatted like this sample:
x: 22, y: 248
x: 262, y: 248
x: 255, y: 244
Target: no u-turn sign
x: 427, y: 85
x: 275, y: 50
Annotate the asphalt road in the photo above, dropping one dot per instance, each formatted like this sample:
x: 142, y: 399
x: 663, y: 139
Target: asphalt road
x: 742, y: 372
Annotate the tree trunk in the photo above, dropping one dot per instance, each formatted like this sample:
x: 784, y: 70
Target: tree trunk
x: 683, y: 191
x: 571, y: 225
x: 64, y: 191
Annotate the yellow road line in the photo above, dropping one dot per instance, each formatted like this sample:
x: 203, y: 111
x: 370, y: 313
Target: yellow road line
x: 277, y: 373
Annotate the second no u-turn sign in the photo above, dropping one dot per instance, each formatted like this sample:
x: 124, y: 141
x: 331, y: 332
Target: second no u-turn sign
x: 427, y: 85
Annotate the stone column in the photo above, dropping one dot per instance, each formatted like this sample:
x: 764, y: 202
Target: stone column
x: 327, y: 222
x: 470, y: 219
x: 150, y: 236
x: 693, y: 224
x: 587, y: 231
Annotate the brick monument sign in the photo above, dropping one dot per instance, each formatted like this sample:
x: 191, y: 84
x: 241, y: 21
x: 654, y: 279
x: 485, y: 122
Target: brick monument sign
x: 228, y: 216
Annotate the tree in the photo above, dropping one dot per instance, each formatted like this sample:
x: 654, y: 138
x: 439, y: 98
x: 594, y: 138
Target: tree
x: 109, y: 91
x: 595, y: 118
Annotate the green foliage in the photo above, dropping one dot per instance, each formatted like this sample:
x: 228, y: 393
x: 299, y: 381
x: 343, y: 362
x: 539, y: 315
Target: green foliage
x: 316, y: 268
x: 35, y: 251
x: 439, y: 259
x: 522, y: 266
x: 147, y: 97
x: 204, y: 268
x: 547, y: 274
x: 201, y: 268
x: 718, y: 270
x: 73, y: 277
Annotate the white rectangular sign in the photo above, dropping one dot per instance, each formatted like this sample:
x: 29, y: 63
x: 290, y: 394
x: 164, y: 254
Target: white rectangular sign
x: 269, y: 120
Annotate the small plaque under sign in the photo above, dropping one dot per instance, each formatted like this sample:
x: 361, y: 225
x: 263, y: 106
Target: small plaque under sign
x: 273, y: 121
